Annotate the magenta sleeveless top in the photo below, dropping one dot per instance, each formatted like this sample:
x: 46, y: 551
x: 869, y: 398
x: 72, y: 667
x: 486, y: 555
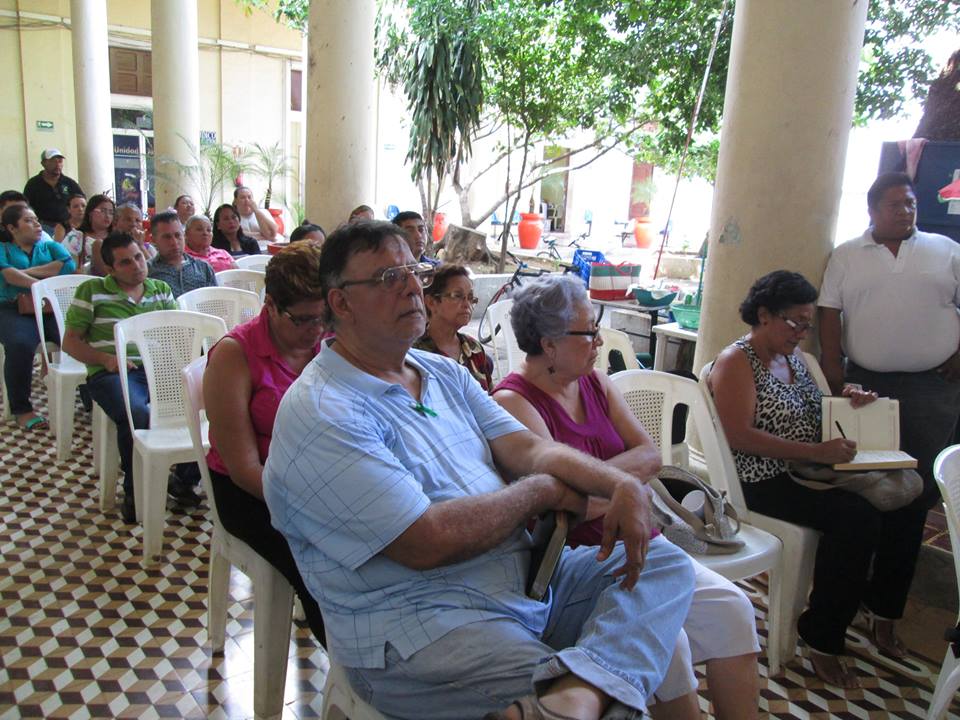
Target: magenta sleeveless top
x: 596, y: 436
x: 270, y: 377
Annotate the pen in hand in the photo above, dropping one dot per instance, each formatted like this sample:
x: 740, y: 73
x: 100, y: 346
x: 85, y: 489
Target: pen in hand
x: 840, y: 428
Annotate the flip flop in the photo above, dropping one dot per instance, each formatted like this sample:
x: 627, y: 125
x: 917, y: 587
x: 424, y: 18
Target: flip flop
x: 34, y: 422
x: 530, y: 709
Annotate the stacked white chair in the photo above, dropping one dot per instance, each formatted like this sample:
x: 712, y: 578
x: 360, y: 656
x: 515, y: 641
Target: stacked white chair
x: 64, y: 374
x: 253, y: 262
x: 232, y: 305
x: 168, y: 340
x: 504, y: 341
x: 272, y: 594
x: 765, y: 549
x: 946, y: 470
x: 340, y: 702
x: 252, y: 280
x: 619, y: 341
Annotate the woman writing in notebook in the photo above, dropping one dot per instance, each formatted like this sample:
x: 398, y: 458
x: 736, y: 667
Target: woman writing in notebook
x: 770, y: 408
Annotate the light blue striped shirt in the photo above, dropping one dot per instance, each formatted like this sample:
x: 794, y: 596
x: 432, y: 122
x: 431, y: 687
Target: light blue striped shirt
x: 352, y: 465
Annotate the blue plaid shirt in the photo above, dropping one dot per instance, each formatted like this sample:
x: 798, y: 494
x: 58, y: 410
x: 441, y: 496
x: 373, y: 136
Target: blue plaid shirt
x: 352, y: 465
x: 191, y: 274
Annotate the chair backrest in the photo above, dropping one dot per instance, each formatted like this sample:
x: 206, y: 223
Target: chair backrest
x: 168, y: 340
x: 503, y: 340
x: 252, y: 280
x: 641, y: 388
x: 253, y: 262
x: 193, y: 407
x: 232, y: 305
x: 817, y: 373
x: 59, y: 291
x: 946, y: 471
x: 619, y: 341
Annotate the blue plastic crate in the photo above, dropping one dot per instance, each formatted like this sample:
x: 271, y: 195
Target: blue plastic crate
x: 582, y: 259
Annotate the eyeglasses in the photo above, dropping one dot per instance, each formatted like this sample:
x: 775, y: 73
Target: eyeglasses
x: 460, y: 297
x: 302, y: 320
x: 799, y: 328
x: 396, y: 277
x: 104, y: 211
x: 592, y: 334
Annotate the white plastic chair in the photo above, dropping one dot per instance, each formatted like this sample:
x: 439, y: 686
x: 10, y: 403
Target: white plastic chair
x: 106, y: 457
x: 817, y: 373
x: 232, y: 305
x: 253, y: 262
x: 765, y: 549
x: 946, y: 471
x: 799, y: 546
x: 65, y: 374
x: 619, y: 341
x: 340, y: 702
x: 272, y: 594
x: 502, y: 338
x: 168, y: 341
x: 252, y: 280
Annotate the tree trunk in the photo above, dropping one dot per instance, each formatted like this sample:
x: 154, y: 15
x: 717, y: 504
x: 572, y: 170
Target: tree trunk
x: 464, y: 245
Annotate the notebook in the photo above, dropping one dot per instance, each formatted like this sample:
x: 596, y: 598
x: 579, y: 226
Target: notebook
x: 874, y: 427
x: 549, y: 539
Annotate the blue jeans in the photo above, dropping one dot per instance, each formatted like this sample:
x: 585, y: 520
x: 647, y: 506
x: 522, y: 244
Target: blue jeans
x: 20, y: 338
x: 104, y: 388
x: 620, y: 642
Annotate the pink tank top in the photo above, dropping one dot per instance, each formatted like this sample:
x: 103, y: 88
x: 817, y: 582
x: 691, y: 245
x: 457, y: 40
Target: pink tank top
x: 270, y: 377
x: 596, y: 436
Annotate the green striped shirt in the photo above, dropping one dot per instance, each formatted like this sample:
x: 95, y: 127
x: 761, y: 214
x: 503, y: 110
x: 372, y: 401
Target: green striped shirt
x: 99, y: 303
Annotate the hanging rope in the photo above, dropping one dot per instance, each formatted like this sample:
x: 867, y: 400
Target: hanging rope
x: 693, y: 122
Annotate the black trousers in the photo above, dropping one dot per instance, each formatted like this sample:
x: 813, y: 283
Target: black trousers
x: 248, y: 518
x: 929, y: 407
x: 855, y: 535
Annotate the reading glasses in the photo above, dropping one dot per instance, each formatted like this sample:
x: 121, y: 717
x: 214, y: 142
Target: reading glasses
x: 396, y: 277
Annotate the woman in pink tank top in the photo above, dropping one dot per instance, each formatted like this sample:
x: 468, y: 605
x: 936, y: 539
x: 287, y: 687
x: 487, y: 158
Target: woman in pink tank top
x: 558, y: 394
x: 247, y: 374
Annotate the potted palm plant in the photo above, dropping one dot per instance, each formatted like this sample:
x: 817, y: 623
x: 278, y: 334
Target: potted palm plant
x: 271, y: 163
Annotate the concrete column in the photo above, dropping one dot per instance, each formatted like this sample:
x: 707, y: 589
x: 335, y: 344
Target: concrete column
x: 176, y: 96
x: 786, y: 118
x: 91, y: 89
x: 341, y: 109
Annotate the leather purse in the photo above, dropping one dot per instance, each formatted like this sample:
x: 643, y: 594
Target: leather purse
x: 25, y: 304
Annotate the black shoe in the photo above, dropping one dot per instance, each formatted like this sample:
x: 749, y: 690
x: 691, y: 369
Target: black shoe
x: 128, y: 510
x: 184, y: 493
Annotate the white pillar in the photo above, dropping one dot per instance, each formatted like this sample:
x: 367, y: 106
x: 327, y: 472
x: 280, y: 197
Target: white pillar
x: 786, y: 119
x: 341, y: 109
x: 176, y: 95
x: 91, y: 89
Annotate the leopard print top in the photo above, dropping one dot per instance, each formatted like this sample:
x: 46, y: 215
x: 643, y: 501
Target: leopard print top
x: 790, y: 411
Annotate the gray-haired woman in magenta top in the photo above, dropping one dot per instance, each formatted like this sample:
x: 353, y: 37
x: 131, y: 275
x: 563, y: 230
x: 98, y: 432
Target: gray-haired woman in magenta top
x: 557, y: 394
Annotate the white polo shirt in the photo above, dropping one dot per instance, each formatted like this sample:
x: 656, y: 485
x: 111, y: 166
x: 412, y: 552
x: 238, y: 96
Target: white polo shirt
x: 899, y: 313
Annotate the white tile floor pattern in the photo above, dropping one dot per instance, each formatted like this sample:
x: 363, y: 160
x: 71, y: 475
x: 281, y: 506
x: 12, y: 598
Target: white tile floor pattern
x: 87, y: 632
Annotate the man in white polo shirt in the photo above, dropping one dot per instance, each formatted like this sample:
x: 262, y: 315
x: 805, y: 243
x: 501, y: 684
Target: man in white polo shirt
x: 889, y: 303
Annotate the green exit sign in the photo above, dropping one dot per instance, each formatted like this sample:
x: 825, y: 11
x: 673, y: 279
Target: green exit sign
x: 44, y: 124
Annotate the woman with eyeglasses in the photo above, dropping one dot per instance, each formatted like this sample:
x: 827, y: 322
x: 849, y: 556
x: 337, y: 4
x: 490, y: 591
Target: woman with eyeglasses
x: 450, y: 301
x: 559, y: 395
x: 247, y: 374
x: 769, y: 405
x: 97, y: 224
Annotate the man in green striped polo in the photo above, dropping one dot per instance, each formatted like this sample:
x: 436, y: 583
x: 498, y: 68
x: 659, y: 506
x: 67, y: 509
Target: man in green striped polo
x: 97, y: 305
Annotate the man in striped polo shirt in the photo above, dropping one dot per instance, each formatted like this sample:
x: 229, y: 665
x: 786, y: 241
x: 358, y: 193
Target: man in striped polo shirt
x: 97, y: 305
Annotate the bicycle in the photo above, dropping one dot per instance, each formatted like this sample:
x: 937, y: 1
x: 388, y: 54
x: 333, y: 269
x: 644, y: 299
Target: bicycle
x: 550, y: 242
x: 522, y: 271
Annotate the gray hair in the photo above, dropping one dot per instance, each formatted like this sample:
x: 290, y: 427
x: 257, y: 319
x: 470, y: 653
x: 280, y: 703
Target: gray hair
x: 130, y: 206
x: 545, y: 308
x: 195, y: 218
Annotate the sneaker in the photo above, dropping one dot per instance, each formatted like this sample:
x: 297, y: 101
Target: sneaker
x: 184, y: 493
x: 128, y: 510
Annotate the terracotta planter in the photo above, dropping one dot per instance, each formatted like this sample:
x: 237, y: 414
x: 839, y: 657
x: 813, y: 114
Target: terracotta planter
x: 439, y: 226
x: 530, y: 229
x: 277, y: 214
x: 642, y: 232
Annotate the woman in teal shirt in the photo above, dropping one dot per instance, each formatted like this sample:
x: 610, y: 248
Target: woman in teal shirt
x: 25, y: 259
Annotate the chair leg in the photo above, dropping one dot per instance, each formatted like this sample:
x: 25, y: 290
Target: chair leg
x: 947, y: 684
x: 796, y: 589
x: 106, y: 457
x: 272, y: 618
x: 775, y: 612
x: 152, y: 488
x: 218, y: 596
x: 62, y: 402
x: 5, y: 414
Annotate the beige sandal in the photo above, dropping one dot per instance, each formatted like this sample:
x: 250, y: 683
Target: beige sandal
x: 530, y: 709
x: 883, y: 633
x: 839, y: 675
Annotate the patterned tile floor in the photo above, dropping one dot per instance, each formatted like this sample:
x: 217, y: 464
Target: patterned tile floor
x: 87, y: 632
